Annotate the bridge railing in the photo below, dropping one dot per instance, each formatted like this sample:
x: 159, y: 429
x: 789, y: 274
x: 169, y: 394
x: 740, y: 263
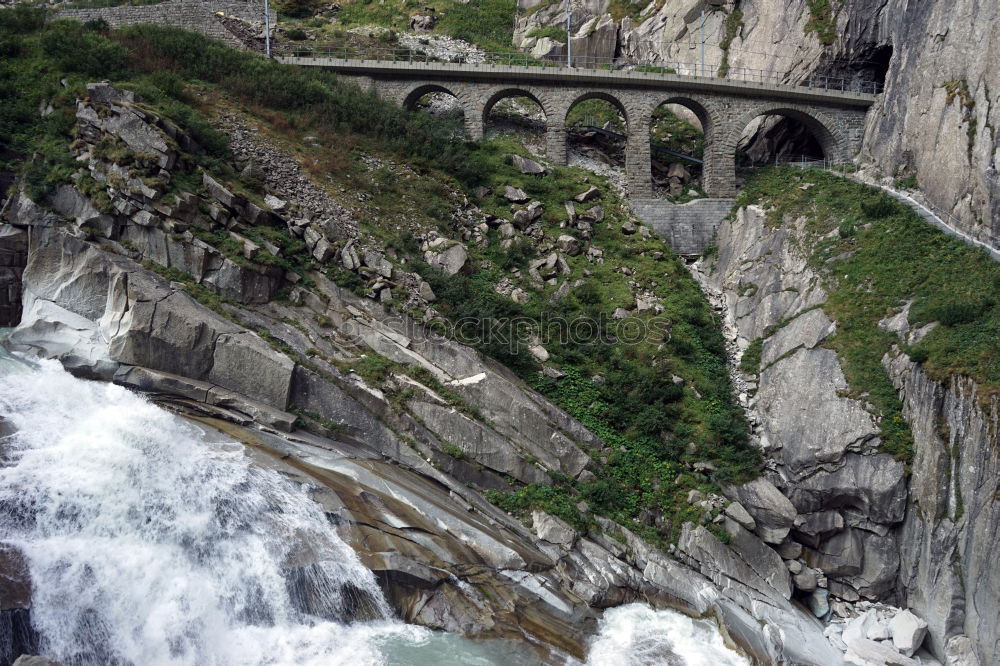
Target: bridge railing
x: 517, y: 59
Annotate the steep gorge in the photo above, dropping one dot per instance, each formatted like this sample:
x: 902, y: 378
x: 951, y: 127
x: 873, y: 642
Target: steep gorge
x: 177, y: 292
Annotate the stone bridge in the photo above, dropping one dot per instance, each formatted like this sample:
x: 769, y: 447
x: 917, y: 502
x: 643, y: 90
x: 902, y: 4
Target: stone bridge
x: 725, y: 107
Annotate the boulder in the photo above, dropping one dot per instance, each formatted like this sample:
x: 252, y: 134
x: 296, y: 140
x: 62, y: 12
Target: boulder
x: 805, y: 580
x: 590, y: 194
x: 274, y: 203
x: 515, y: 195
x: 539, y: 353
x: 30, y: 660
x: 907, y: 632
x: 528, y: 166
x: 569, y: 245
x: 425, y: 292
x: 553, y: 529
x: 736, y: 511
x: 378, y: 263
x: 629, y: 228
x: 771, y: 510
x: 819, y: 603
x: 452, y: 261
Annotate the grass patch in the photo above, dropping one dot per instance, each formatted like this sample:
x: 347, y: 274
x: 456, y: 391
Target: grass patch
x: 730, y: 29
x: 822, y: 21
x: 892, y: 257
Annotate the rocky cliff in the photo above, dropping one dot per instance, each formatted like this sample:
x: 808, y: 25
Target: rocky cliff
x: 935, y: 122
x: 398, y: 430
x: 851, y: 522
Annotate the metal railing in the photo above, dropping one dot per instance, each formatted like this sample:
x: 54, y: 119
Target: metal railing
x: 517, y: 59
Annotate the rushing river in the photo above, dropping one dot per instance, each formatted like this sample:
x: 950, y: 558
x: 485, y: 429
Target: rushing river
x: 152, y: 544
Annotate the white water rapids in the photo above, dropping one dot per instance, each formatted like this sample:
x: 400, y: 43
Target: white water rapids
x: 151, y: 543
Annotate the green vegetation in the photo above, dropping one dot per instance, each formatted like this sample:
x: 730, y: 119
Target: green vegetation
x: 907, y: 183
x: 959, y: 89
x: 670, y: 131
x: 597, y: 112
x: 553, y: 32
x: 731, y: 28
x: 891, y: 258
x: 485, y: 23
x: 822, y: 21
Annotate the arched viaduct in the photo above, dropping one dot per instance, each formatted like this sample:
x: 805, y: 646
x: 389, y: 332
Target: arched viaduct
x: 725, y: 107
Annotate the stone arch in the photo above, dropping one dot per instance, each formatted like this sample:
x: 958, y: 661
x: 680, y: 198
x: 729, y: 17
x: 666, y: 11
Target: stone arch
x: 555, y: 132
x: 705, y: 110
x: 607, y: 97
x: 708, y: 115
x: 409, y: 96
x: 537, y: 96
x: 828, y: 131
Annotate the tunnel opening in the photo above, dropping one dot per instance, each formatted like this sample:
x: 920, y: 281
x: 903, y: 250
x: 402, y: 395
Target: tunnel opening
x: 775, y: 138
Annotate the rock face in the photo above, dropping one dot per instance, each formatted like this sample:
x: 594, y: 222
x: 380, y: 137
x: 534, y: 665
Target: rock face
x: 846, y: 519
x: 948, y: 540
x: 15, y: 605
x: 831, y: 500
x: 402, y: 459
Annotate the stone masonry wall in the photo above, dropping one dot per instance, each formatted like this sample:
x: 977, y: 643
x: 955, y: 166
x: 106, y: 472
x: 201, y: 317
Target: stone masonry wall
x: 690, y: 227
x: 190, y: 15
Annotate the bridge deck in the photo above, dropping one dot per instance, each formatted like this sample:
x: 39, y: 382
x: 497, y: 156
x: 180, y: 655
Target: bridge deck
x: 586, y: 78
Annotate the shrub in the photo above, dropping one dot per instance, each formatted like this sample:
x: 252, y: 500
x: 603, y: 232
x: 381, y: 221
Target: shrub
x: 296, y: 35
x: 83, y: 51
x: 296, y: 8
x: 879, y: 206
x: 955, y: 314
x: 21, y: 19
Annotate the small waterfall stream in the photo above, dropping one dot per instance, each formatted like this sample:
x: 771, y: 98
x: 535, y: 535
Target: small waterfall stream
x: 152, y: 542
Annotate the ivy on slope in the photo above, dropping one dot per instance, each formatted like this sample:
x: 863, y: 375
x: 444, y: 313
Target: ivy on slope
x: 875, y: 255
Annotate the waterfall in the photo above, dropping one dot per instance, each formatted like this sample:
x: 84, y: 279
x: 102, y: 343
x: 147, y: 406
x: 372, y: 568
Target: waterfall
x: 150, y: 542
x: 637, y: 635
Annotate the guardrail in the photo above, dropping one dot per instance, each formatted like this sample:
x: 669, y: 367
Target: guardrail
x: 517, y: 59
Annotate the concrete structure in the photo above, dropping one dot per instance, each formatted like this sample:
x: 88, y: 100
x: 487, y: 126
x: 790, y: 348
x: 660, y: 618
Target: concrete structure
x: 725, y: 107
x: 196, y: 15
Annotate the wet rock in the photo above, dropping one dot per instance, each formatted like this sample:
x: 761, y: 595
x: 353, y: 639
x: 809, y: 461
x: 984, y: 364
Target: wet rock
x: 28, y: 660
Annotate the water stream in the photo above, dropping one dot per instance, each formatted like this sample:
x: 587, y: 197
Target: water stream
x: 153, y: 543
